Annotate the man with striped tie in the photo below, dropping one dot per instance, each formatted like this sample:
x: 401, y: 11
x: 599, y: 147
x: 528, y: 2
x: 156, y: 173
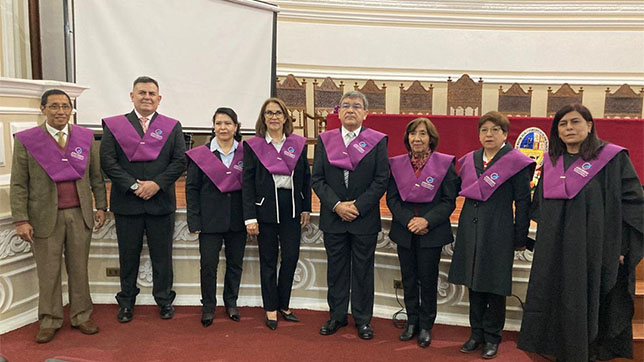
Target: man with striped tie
x: 350, y: 174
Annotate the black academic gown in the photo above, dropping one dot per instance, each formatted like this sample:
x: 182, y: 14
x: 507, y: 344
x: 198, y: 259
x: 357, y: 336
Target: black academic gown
x: 579, y: 304
x: 489, y: 231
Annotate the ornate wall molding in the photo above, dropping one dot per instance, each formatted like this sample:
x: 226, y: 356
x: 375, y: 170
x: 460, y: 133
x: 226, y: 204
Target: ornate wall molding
x: 25, y: 88
x: 18, y: 287
x: 482, y: 14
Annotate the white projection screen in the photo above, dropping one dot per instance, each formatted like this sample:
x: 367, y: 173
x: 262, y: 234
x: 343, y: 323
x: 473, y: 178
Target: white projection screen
x: 205, y: 54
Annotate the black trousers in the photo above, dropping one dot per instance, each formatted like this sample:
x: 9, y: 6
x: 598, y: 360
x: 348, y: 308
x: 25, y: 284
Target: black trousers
x: 159, y: 231
x: 281, y: 238
x: 487, y: 316
x: 419, y: 268
x: 209, y: 248
x: 350, y: 274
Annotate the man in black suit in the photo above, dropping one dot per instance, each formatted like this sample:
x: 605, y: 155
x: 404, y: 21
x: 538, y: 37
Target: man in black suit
x: 142, y: 153
x: 350, y: 173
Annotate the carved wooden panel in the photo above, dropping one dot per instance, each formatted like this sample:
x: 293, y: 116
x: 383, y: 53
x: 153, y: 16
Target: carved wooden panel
x: 375, y: 96
x: 562, y: 97
x: 416, y: 99
x: 326, y: 96
x: 294, y: 96
x: 464, y: 94
x: 515, y: 101
x: 624, y: 103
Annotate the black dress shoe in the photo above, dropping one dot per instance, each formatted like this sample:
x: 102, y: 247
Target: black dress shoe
x: 291, y: 317
x: 271, y: 323
x: 471, y: 345
x: 424, y: 338
x: 365, y: 331
x: 331, y: 326
x: 206, y: 318
x: 409, y: 333
x: 125, y: 314
x: 166, y: 311
x: 233, y: 313
x: 490, y: 350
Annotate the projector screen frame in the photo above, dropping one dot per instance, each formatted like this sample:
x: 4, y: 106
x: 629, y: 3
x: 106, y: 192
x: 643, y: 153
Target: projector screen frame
x: 69, y: 29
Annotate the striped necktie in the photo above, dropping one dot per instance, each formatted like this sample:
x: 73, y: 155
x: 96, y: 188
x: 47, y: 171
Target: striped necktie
x: 144, y: 124
x: 348, y: 138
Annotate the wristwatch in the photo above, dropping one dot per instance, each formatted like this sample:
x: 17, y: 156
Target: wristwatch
x: 135, y: 186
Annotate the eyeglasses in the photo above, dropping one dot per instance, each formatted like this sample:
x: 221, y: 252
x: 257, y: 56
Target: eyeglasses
x: 271, y: 114
x: 55, y: 107
x: 494, y: 130
x: 356, y: 106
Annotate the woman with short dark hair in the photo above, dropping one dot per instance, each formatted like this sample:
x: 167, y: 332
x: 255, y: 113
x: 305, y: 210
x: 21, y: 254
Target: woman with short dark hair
x: 493, y: 224
x: 590, y: 210
x: 421, y: 196
x: 214, y: 209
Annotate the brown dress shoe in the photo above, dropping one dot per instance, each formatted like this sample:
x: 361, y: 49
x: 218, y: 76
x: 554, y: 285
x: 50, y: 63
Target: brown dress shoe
x: 45, y: 334
x: 87, y: 327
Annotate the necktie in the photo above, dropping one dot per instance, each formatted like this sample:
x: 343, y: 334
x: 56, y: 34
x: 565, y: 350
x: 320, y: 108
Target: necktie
x: 144, y: 124
x: 61, y: 139
x: 347, y: 139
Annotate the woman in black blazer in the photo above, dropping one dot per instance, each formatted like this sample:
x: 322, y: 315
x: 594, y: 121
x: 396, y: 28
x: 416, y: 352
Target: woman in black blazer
x: 421, y: 196
x: 214, y: 208
x: 277, y: 202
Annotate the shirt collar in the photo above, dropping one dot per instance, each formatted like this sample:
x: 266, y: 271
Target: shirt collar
x: 138, y: 115
x: 269, y: 139
x: 54, y: 132
x: 346, y: 131
x: 214, y: 146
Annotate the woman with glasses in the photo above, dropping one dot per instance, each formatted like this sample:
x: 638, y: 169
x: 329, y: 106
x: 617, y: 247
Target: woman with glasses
x: 590, y: 210
x: 421, y: 196
x: 277, y: 203
x: 214, y: 210
x: 493, y: 179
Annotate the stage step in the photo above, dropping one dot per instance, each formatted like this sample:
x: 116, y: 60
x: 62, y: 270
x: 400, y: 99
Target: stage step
x: 639, y: 301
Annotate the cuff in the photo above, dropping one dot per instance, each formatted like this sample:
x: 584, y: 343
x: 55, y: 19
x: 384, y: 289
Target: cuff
x: 250, y: 221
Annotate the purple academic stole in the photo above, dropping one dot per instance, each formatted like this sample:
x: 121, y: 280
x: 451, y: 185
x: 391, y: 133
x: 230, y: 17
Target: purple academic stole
x: 135, y: 147
x: 558, y: 184
x: 281, y: 163
x: 424, y: 187
x: 226, y: 179
x: 347, y: 158
x: 67, y: 166
x: 503, y: 169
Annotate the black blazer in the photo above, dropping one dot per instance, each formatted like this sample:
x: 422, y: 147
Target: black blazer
x: 208, y: 209
x: 165, y: 170
x: 367, y: 184
x: 437, y: 213
x: 259, y: 192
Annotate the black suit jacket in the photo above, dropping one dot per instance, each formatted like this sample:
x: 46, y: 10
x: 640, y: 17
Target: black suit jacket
x: 437, y: 213
x: 165, y: 170
x: 208, y: 209
x: 259, y: 193
x: 367, y: 184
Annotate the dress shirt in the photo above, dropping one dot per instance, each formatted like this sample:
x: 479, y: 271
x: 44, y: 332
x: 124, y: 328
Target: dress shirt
x: 54, y: 132
x: 139, y: 116
x: 226, y: 158
x: 281, y: 181
x: 345, y: 132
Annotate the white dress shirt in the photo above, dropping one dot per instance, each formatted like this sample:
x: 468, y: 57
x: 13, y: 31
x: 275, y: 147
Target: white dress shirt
x: 54, y: 132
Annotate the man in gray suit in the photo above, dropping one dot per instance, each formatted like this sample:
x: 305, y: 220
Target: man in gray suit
x: 54, y: 173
